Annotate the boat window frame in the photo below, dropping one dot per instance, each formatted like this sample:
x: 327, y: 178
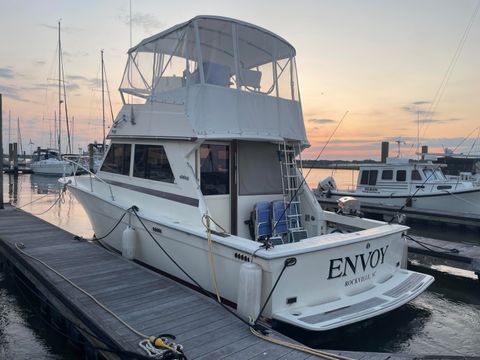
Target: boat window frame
x: 390, y: 171
x: 110, y: 149
x: 431, y: 175
x: 149, y: 163
x: 399, y: 172
x: 229, y: 168
x: 371, y: 180
x: 416, y: 172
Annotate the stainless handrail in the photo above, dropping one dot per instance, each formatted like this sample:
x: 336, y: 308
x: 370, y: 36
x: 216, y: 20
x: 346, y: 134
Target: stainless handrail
x: 90, y: 173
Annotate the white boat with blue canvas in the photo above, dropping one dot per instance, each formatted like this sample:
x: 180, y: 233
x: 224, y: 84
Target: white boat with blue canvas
x: 202, y: 164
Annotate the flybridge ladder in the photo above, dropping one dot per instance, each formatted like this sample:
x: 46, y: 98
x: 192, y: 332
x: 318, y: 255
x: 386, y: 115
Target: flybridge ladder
x: 291, y: 179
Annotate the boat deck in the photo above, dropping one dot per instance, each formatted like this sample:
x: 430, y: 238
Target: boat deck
x: 146, y: 300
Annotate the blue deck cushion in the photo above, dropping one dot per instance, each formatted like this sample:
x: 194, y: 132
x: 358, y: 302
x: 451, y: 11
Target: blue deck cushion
x: 263, y: 226
x: 278, y: 218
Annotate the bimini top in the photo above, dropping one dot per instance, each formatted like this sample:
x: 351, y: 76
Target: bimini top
x: 256, y: 44
x: 229, y: 76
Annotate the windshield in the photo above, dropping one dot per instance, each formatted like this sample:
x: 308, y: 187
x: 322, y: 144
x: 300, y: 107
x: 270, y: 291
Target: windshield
x: 440, y: 175
x: 429, y: 174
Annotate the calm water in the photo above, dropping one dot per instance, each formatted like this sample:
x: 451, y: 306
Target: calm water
x: 444, y: 320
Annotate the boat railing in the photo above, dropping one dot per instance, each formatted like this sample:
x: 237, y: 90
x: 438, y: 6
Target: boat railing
x: 91, y: 174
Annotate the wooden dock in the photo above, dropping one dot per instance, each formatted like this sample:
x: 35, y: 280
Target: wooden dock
x: 147, y: 301
x: 427, y: 251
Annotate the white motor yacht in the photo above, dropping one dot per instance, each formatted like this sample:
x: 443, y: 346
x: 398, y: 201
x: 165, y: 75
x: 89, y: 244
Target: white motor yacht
x: 415, y: 187
x: 201, y: 166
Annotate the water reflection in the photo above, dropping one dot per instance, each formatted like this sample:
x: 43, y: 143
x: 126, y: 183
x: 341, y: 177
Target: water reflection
x: 41, y: 184
x: 39, y: 195
x: 13, y: 188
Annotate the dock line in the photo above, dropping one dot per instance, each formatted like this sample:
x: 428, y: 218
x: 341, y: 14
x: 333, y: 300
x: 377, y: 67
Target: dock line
x: 429, y: 246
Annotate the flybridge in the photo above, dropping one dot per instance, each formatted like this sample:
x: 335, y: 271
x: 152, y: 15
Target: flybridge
x: 226, y: 76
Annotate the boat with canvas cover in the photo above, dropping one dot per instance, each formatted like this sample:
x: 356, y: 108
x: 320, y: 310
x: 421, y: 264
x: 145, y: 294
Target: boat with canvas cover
x: 201, y: 168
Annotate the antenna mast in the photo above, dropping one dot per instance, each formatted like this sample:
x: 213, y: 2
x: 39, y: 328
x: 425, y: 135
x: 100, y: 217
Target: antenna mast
x: 59, y: 94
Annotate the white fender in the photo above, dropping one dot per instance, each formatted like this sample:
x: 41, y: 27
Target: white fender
x: 249, y: 290
x: 129, y: 243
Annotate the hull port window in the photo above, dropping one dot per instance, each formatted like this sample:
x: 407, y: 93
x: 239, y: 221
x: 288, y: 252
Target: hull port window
x: 214, y: 169
x: 118, y: 159
x: 151, y: 163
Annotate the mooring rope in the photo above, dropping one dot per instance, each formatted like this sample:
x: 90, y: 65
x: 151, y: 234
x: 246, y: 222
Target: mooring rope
x: 430, y: 246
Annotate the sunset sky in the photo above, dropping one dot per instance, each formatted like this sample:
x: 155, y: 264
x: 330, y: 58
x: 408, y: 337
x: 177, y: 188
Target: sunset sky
x: 388, y: 63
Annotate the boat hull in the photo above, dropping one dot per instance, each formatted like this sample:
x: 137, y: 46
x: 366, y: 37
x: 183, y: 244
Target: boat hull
x: 448, y: 203
x: 362, y: 268
x: 48, y: 167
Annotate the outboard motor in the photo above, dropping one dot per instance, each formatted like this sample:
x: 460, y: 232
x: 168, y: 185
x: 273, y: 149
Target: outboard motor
x: 327, y: 184
x: 348, y: 205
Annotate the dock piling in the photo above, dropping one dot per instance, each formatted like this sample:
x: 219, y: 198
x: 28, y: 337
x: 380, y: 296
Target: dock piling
x: 90, y: 157
x: 1, y: 152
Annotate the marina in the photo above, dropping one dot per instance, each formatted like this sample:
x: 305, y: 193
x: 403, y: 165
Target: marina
x: 207, y: 218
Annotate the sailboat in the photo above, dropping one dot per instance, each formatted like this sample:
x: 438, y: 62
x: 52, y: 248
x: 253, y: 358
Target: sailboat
x: 49, y: 161
x: 201, y: 170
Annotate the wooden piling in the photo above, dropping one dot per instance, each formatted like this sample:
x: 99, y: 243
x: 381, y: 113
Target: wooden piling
x: 1, y: 152
x: 384, y: 153
x: 15, y: 157
x: 90, y: 157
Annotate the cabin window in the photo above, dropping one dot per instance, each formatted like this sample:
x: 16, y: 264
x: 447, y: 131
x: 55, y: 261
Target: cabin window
x: 416, y: 175
x: 150, y: 162
x: 369, y: 177
x: 429, y: 174
x: 215, y: 169
x: 401, y: 175
x: 387, y: 174
x: 118, y: 159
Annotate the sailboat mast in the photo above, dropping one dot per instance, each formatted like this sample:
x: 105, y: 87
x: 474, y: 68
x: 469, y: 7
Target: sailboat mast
x: 19, y: 136
x: 103, y: 102
x: 55, y: 132
x: 59, y: 94
x: 9, y: 124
